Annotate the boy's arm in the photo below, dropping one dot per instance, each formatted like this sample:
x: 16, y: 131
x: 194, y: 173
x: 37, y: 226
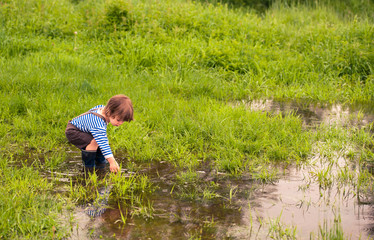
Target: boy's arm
x: 102, y: 140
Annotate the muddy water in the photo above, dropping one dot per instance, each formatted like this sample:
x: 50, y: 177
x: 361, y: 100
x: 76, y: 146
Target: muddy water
x: 295, y: 204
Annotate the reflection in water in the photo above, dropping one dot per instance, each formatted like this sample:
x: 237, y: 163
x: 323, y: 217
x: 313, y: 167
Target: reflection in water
x: 296, y: 202
x: 300, y: 203
x: 316, y: 114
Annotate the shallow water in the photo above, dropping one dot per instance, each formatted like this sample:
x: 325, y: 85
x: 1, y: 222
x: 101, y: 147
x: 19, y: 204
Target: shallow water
x: 255, y: 206
x: 315, y: 114
x: 295, y: 202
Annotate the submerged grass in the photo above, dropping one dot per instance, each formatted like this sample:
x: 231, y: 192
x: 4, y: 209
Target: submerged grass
x: 128, y: 191
x: 333, y: 232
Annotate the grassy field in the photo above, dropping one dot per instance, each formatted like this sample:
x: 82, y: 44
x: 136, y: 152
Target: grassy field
x: 186, y: 65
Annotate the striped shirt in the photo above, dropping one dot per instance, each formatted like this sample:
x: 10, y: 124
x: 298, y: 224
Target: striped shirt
x: 90, y: 123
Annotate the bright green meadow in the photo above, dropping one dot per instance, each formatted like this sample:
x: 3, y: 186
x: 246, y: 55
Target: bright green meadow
x: 189, y: 67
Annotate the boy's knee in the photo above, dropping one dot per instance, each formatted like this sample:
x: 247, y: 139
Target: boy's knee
x: 93, y: 142
x: 93, y: 145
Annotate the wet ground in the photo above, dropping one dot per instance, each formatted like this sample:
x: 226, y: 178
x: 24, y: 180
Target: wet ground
x: 295, y: 205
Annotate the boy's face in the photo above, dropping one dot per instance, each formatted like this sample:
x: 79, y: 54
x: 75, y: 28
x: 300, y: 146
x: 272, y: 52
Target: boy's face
x: 115, y: 121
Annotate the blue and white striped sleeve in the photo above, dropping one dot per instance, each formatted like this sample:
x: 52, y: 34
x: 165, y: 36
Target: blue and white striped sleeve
x: 100, y: 135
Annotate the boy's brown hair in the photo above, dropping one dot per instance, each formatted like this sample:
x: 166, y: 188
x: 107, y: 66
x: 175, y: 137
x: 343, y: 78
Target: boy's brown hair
x: 120, y: 106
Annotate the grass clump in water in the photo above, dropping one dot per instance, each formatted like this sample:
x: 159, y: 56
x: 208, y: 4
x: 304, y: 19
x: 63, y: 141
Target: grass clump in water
x: 28, y: 208
x: 128, y: 191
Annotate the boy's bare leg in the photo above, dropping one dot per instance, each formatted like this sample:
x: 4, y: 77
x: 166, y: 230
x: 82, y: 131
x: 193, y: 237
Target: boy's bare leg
x: 92, y: 146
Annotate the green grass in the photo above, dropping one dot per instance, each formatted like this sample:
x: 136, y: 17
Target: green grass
x: 126, y: 190
x: 187, y: 66
x: 332, y: 232
x: 28, y: 207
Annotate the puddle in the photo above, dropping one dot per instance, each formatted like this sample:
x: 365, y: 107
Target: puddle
x: 306, y: 210
x: 296, y: 204
x: 314, y: 114
x: 173, y: 218
x: 295, y: 201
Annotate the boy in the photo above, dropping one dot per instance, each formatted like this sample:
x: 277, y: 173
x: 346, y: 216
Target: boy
x: 88, y: 131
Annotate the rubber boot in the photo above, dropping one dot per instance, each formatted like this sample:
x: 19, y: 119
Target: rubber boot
x: 88, y: 158
x: 100, y: 160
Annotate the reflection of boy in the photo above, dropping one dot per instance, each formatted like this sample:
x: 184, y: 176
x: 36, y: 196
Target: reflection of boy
x: 88, y: 131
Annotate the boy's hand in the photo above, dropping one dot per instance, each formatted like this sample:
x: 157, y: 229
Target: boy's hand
x: 113, y: 165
